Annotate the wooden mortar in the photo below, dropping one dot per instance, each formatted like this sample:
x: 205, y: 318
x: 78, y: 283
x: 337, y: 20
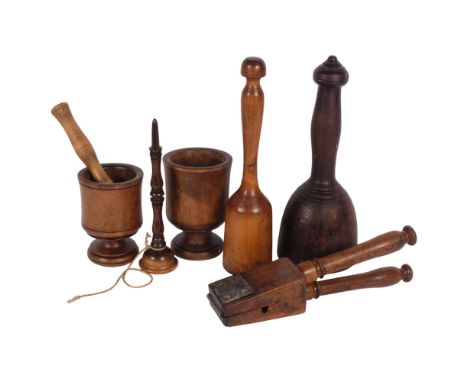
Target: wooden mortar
x: 197, y: 189
x: 111, y: 213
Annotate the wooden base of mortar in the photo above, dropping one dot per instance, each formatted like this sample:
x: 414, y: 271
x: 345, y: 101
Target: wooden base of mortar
x: 112, y: 253
x: 197, y: 245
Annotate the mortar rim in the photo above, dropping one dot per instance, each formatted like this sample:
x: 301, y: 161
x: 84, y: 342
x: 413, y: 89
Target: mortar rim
x: 137, y: 179
x: 226, y: 163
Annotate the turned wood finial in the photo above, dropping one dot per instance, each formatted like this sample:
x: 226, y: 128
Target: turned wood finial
x: 411, y: 233
x: 253, y: 68
x: 331, y: 73
x: 406, y: 273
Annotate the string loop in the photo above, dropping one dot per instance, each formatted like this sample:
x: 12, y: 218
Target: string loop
x: 123, y: 275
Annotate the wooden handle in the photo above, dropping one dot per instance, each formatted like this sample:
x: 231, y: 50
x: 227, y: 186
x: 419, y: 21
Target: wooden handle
x: 379, y: 246
x: 253, y: 68
x: 80, y: 142
x: 374, y: 279
x: 326, y: 120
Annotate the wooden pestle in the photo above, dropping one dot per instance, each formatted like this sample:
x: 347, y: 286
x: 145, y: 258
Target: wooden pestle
x: 379, y: 246
x: 248, y: 229
x: 80, y: 142
x: 377, y: 278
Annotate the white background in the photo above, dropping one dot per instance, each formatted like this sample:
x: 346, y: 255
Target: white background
x: 402, y: 158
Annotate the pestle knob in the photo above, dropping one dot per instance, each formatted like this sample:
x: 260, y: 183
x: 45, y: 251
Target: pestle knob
x: 253, y: 68
x: 80, y: 142
x: 331, y: 73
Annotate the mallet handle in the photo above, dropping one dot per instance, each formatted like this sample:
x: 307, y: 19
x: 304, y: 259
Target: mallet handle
x: 80, y: 142
x: 374, y: 279
x: 378, y: 246
x: 252, y: 101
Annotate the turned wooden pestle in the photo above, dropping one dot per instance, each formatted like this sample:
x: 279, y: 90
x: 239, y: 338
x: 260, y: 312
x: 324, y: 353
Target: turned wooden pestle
x: 248, y: 228
x: 80, y: 142
x: 319, y: 218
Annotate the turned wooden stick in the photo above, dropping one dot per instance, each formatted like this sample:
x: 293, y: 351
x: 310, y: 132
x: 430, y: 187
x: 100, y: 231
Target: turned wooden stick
x: 80, y: 142
x: 378, y: 278
x: 157, y: 192
x: 379, y: 246
x: 159, y: 258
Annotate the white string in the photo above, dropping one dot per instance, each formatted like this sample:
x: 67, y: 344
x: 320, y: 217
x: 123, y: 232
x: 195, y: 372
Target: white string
x: 123, y: 275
